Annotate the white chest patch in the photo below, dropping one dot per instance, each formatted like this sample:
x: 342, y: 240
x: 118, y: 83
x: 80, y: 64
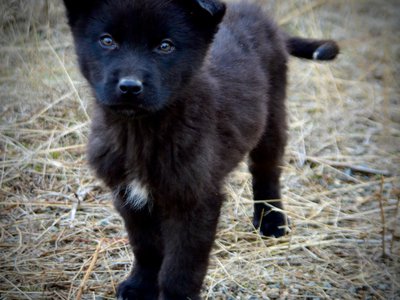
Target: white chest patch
x: 137, y: 194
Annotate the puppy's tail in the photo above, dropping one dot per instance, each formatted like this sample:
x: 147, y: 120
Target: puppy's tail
x: 312, y: 49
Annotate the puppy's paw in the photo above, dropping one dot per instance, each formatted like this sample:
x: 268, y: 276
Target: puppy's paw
x: 130, y: 289
x: 271, y: 222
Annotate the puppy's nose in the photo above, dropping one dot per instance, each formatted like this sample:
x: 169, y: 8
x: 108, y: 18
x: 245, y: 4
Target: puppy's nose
x: 130, y: 86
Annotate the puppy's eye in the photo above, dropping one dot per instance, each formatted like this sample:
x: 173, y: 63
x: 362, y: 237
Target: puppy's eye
x: 166, y: 47
x: 107, y: 42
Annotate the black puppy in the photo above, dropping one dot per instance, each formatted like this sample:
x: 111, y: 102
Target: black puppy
x: 184, y: 90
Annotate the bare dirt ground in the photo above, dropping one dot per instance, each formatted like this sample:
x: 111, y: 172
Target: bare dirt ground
x: 61, y: 239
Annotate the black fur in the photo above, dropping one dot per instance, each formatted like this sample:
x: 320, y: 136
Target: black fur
x: 208, y: 86
x: 312, y: 49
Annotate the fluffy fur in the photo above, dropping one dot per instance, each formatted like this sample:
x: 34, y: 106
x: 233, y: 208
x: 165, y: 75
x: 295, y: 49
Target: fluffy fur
x: 208, y: 87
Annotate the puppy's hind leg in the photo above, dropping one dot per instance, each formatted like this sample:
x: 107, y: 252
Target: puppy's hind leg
x: 265, y: 162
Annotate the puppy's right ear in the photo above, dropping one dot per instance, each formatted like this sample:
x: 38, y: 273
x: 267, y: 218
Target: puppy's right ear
x: 78, y: 8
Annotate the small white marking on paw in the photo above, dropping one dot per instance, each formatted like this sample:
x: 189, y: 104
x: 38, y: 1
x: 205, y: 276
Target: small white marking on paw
x: 137, y: 194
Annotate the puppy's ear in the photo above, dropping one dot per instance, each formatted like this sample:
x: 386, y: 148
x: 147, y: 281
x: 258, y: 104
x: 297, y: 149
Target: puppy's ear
x: 215, y: 8
x: 206, y: 11
x: 78, y: 8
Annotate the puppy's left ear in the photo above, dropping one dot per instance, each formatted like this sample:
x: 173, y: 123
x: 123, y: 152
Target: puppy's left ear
x: 215, y: 8
x: 208, y: 12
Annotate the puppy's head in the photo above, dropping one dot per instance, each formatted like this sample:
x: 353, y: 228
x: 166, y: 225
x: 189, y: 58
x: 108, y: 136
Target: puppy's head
x: 136, y: 54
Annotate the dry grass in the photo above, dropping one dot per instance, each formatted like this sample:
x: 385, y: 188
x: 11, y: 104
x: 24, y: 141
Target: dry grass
x: 61, y: 239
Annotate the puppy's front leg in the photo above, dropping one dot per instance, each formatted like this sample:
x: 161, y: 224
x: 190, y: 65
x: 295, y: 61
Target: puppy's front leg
x: 144, y: 234
x: 188, y: 234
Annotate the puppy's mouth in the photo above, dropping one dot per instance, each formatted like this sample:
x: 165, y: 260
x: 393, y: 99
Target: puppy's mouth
x: 129, y: 111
